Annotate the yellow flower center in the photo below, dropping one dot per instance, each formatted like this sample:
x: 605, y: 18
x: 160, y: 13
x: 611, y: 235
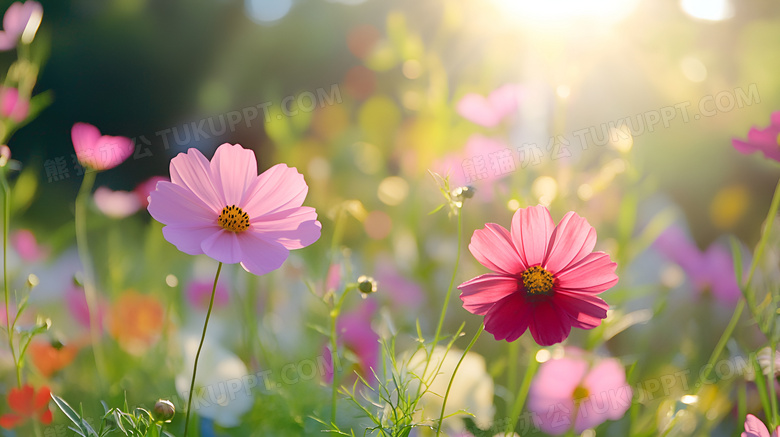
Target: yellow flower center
x: 233, y: 219
x: 580, y: 393
x: 537, y: 280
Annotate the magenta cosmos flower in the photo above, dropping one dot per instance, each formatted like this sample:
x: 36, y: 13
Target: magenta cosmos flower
x: 225, y: 210
x: 99, y: 152
x: 710, y: 271
x: 358, y: 338
x: 546, y: 277
x: 756, y: 428
x: 762, y: 140
x: 570, y: 391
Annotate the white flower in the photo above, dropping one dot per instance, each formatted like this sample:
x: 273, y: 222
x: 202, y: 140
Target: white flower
x: 220, y: 391
x: 472, y: 389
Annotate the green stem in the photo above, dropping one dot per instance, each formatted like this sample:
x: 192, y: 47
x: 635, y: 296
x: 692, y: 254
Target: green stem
x: 90, y: 291
x: 446, y: 300
x: 514, y: 358
x: 334, y: 357
x: 452, y: 283
x: 455, y: 372
x: 770, y: 219
x: 771, y: 384
x: 200, y: 347
x: 530, y: 371
x: 6, y: 223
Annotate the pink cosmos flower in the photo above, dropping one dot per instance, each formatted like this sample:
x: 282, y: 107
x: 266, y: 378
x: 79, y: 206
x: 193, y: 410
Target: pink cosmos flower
x: 756, y: 428
x: 21, y: 20
x: 762, y: 140
x: 712, y: 270
x: 473, y: 162
x: 25, y: 244
x: 546, y: 277
x: 357, y: 337
x: 77, y: 305
x: 570, y: 391
x: 143, y: 189
x: 489, y: 111
x: 99, y: 152
x: 116, y: 204
x: 225, y: 210
x: 404, y: 294
x: 11, y: 106
x: 199, y: 294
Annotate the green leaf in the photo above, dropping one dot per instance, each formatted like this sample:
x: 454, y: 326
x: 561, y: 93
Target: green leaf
x: 66, y: 409
x: 435, y: 210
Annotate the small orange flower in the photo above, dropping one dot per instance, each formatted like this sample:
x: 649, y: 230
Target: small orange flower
x: 27, y: 404
x: 50, y: 358
x: 136, y: 321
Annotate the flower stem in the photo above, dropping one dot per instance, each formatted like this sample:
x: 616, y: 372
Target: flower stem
x: 770, y: 219
x: 530, y: 371
x: 333, y: 357
x: 446, y: 300
x: 452, y: 283
x: 89, y: 279
x: 455, y: 372
x: 200, y: 346
x: 6, y: 222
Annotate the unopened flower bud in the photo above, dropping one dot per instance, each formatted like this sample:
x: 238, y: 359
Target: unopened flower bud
x: 163, y: 411
x: 366, y: 285
x: 466, y: 192
x: 32, y: 281
x: 5, y: 155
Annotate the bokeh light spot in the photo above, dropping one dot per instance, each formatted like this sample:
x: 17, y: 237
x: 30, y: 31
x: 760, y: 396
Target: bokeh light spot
x: 545, y: 189
x: 729, y: 205
x: 361, y: 40
x: 412, y: 69
x: 393, y: 190
x: 713, y: 10
x: 267, y: 11
x: 693, y: 69
x: 378, y: 225
x: 359, y: 82
x: 171, y: 281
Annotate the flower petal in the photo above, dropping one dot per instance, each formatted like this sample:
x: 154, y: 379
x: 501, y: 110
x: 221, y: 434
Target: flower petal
x: 84, y: 137
x: 260, y: 256
x: 10, y: 420
x: 42, y: 398
x: 189, y: 239
x: 477, y: 109
x: 21, y: 399
x: 571, y: 240
x: 532, y: 228
x: 172, y: 204
x: 508, y: 319
x: 192, y: 170
x: 224, y: 246
x: 293, y: 228
x: 277, y: 189
x: 585, y: 311
x: 110, y: 151
x: 46, y: 417
x: 754, y: 427
x: 493, y: 248
x: 549, y: 324
x: 233, y: 168
x: 481, y: 293
x: 593, y: 274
